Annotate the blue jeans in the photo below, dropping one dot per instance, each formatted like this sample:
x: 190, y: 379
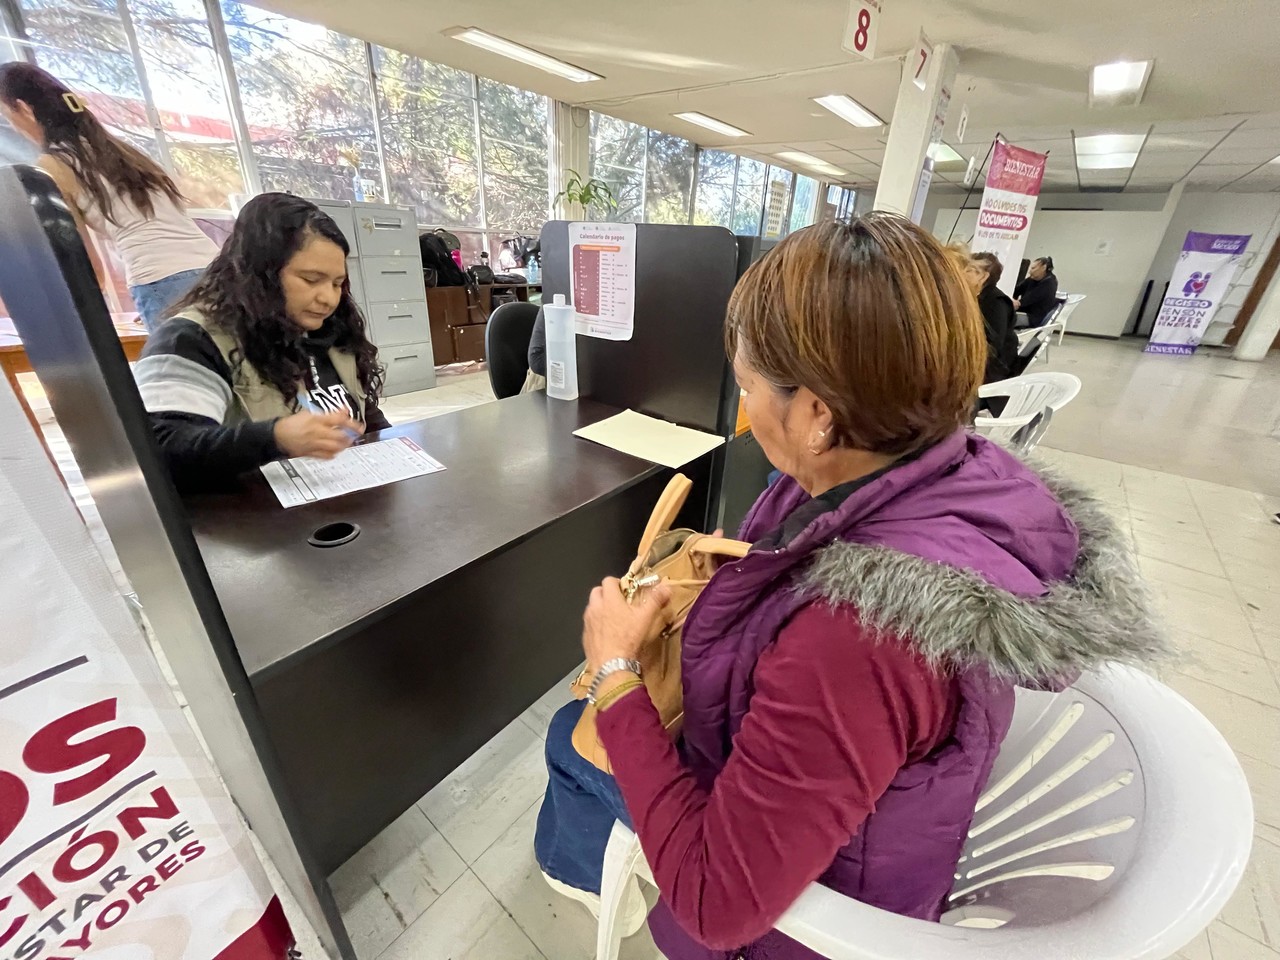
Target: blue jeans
x: 578, y: 812
x: 155, y: 299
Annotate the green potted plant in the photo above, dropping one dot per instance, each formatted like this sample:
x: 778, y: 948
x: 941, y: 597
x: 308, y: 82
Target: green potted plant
x: 580, y: 196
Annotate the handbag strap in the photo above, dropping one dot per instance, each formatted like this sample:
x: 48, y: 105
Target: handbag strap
x: 721, y: 546
x: 664, y: 514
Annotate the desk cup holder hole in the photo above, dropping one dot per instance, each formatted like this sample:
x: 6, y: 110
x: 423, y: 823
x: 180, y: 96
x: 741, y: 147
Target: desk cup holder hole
x: 334, y: 534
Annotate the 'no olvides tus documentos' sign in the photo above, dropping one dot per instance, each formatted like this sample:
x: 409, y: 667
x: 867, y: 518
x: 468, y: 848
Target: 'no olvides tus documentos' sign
x: 1008, y: 204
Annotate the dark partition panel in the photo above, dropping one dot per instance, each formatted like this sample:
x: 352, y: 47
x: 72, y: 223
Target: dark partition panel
x: 49, y: 288
x: 674, y: 367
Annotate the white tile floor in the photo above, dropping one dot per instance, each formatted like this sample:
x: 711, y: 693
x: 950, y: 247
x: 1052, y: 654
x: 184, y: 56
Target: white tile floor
x: 1186, y: 451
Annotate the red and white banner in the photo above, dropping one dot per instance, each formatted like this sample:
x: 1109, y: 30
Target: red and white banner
x: 117, y: 839
x: 1008, y: 204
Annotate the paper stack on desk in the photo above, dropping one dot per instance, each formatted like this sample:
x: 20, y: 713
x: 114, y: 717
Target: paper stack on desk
x: 303, y: 480
x: 650, y: 439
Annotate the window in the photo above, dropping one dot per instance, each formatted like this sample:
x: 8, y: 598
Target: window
x: 803, y: 202
x: 84, y: 45
x: 307, y: 101
x: 429, y: 138
x: 713, y: 201
x: 513, y: 133
x: 617, y: 158
x: 182, y: 70
x: 748, y: 201
x: 668, y: 185
x: 777, y: 199
x: 839, y: 204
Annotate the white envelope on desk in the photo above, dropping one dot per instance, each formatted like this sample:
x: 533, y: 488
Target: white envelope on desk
x: 650, y: 439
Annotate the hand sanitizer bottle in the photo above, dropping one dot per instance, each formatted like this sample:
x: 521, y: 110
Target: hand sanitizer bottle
x: 562, y: 350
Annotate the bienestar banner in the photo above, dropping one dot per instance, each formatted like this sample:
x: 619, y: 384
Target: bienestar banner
x: 1008, y: 204
x: 1204, y: 271
x: 117, y: 839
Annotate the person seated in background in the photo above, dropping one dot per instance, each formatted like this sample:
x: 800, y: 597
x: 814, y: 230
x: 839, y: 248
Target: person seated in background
x: 267, y: 356
x: 983, y: 271
x: 1037, y: 294
x: 847, y: 684
x: 537, y: 378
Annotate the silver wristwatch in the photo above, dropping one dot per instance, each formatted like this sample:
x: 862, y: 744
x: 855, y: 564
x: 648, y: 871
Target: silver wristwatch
x: 608, y: 667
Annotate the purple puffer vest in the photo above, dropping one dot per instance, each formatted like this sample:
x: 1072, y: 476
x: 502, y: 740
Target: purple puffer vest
x: 964, y: 503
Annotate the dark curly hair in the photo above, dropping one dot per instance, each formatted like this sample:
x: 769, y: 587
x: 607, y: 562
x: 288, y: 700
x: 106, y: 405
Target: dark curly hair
x: 240, y: 292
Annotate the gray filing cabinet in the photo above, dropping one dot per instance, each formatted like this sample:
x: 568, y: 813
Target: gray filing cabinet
x: 385, y: 268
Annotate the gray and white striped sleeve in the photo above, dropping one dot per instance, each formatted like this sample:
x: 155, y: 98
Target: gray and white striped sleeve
x: 182, y: 371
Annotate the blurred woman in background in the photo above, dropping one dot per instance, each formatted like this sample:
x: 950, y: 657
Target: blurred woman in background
x: 110, y: 186
x: 1037, y: 295
x: 983, y: 271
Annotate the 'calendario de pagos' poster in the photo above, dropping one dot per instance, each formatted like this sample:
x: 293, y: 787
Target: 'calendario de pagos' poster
x: 602, y: 259
x: 117, y: 839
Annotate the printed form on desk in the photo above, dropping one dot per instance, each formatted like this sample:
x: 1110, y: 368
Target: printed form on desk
x: 303, y: 480
x: 650, y: 439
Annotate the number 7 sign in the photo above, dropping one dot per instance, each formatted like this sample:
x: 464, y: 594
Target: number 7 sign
x: 919, y: 64
x: 864, y: 24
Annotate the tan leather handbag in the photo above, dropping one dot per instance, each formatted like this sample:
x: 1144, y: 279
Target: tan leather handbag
x: 684, y: 561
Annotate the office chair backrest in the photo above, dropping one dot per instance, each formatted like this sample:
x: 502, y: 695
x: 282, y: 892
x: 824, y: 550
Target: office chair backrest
x: 506, y: 346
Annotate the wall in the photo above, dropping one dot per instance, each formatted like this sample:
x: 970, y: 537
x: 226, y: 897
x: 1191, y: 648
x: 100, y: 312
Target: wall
x: 1112, y: 282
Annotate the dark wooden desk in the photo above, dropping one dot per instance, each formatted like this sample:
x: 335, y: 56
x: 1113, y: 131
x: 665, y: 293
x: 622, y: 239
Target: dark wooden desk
x: 379, y: 666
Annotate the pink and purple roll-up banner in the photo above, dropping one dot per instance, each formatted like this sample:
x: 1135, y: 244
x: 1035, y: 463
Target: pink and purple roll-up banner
x: 1204, y: 272
x: 1008, y: 204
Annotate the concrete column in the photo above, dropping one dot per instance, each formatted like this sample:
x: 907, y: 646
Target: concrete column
x: 570, y: 139
x: 918, y: 118
x: 1263, y: 326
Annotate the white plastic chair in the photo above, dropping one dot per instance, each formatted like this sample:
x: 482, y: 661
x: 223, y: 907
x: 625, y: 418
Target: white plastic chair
x: 1033, y: 345
x: 1029, y: 396
x: 1059, y: 321
x: 1115, y: 826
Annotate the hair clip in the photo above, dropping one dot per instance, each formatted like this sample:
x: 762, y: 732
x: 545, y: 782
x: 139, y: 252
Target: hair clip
x: 73, y: 102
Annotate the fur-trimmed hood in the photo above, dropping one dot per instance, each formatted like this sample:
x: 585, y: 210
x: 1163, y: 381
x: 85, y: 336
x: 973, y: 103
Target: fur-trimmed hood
x: 958, y: 618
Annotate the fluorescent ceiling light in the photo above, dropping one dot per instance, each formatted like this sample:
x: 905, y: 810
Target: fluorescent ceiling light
x: 849, y: 110
x: 941, y: 153
x: 711, y: 123
x: 812, y: 162
x: 1121, y: 82
x: 1107, y: 161
x: 1109, y: 143
x: 521, y: 53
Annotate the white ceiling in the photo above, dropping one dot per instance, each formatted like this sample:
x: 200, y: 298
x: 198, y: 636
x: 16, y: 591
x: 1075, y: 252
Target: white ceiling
x: 1211, y: 112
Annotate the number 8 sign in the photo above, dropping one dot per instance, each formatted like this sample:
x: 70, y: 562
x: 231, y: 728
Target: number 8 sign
x: 864, y: 23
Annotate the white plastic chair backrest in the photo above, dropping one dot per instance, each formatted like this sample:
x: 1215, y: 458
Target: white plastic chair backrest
x: 1028, y: 395
x: 1028, y: 437
x: 1115, y: 825
x: 1073, y: 301
x: 1062, y: 802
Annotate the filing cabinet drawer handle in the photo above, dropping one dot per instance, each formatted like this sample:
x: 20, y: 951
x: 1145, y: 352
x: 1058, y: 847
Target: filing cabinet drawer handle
x: 412, y: 356
x: 394, y: 273
x: 387, y: 223
x: 400, y: 316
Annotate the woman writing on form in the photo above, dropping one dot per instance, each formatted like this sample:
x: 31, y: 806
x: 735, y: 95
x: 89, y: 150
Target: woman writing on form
x: 267, y: 356
x: 110, y: 186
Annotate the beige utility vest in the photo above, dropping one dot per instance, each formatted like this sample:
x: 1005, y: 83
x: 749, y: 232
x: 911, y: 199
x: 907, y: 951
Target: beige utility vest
x: 256, y: 398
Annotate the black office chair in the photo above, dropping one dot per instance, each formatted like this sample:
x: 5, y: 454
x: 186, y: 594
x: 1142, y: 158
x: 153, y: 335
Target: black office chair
x: 506, y: 346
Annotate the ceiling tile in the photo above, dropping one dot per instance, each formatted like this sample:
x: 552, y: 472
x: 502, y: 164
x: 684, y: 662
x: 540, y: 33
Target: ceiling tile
x: 1252, y: 155
x: 1183, y: 141
x: 1261, y: 137
x: 1263, y: 121
x: 1198, y: 126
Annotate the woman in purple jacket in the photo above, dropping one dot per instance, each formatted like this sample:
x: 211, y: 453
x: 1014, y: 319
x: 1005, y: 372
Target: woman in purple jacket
x: 848, y: 683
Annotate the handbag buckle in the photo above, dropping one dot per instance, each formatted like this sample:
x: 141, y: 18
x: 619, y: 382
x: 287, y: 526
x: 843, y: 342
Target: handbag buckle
x: 631, y: 585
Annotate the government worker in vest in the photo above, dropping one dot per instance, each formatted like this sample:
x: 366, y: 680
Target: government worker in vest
x: 847, y: 684
x: 267, y: 356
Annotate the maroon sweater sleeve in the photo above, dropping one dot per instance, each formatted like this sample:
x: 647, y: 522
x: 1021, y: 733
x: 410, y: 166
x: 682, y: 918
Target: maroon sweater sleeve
x: 834, y: 717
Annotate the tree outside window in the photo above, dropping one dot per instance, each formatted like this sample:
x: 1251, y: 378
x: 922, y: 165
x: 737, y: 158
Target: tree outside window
x: 617, y: 159
x: 306, y: 97
x: 513, y: 134
x: 429, y: 138
x: 668, y: 178
x: 713, y: 204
